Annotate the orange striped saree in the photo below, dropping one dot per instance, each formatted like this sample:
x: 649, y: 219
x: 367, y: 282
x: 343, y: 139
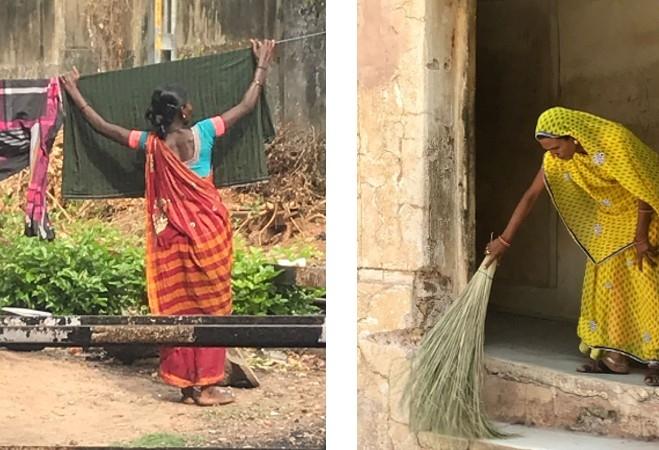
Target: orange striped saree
x: 188, y: 259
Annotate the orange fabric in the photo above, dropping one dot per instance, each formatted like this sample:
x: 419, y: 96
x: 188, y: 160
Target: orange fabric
x: 186, y: 366
x: 188, y: 259
x: 134, y: 139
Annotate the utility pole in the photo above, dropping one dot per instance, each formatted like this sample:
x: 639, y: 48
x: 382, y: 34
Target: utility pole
x: 164, y: 20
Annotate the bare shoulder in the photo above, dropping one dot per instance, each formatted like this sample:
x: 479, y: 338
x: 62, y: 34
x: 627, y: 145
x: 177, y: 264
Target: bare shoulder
x: 182, y: 143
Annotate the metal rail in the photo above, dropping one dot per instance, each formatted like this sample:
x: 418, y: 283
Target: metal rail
x: 192, y: 331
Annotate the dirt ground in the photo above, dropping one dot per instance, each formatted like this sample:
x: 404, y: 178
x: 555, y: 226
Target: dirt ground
x: 55, y: 398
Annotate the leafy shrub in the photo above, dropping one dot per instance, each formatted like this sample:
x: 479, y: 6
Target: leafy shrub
x: 254, y: 292
x: 94, y: 272
x: 98, y: 270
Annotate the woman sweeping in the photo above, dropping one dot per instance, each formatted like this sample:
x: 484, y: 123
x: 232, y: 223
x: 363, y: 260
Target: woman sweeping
x: 188, y: 232
x: 604, y: 183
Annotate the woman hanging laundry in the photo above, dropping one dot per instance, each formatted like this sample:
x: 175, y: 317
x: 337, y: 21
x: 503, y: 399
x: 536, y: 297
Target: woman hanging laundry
x: 188, y: 232
x: 604, y: 183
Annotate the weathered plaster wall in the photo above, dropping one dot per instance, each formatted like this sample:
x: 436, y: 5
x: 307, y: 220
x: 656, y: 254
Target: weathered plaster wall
x: 532, y: 54
x: 23, y: 27
x: 414, y: 194
x: 45, y: 37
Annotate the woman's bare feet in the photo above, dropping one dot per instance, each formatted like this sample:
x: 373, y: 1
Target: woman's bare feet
x: 214, y: 395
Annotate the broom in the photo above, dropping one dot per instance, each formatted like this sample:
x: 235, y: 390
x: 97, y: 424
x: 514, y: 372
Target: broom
x: 443, y: 391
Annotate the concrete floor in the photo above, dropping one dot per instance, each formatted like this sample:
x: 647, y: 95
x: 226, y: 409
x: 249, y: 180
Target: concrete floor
x: 551, y: 344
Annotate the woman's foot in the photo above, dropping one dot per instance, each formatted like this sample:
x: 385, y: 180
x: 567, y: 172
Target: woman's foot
x: 187, y: 395
x: 214, y: 395
x: 613, y: 363
x: 652, y: 376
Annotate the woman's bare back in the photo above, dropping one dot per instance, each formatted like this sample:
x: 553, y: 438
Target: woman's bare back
x: 182, y: 143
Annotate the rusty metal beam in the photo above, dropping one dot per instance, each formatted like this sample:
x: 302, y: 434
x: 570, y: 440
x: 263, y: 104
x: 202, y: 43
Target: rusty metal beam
x: 193, y: 331
x: 7, y: 320
x: 60, y: 447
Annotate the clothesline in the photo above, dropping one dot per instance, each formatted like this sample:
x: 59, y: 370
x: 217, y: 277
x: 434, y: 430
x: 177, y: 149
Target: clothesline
x: 299, y: 38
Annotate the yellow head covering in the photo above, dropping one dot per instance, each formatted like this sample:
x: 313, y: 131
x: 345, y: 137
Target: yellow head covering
x: 597, y: 194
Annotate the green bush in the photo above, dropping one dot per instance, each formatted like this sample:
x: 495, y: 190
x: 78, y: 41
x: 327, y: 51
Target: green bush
x: 94, y: 272
x: 98, y: 270
x: 254, y: 292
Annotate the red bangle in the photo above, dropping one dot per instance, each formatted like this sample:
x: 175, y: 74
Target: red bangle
x: 503, y: 241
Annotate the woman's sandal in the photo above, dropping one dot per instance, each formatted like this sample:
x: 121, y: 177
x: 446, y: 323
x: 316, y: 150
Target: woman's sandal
x: 652, y: 377
x: 618, y: 365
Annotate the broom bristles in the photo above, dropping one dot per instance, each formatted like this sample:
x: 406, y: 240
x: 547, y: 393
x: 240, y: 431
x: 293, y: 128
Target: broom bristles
x: 443, y: 391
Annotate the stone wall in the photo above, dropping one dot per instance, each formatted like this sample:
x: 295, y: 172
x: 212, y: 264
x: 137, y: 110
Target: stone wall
x: 45, y: 37
x: 415, y: 191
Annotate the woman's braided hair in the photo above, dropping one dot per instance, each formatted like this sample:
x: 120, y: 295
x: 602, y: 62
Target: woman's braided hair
x: 166, y: 104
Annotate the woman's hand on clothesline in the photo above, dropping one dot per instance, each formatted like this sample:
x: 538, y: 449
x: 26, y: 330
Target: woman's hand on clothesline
x: 264, y: 51
x: 645, y: 251
x: 70, y: 80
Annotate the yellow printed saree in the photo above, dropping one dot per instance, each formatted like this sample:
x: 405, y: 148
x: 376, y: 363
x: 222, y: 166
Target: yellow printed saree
x: 596, y: 195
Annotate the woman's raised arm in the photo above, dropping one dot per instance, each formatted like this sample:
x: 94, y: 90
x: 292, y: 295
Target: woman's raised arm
x: 264, y: 52
x: 102, y: 126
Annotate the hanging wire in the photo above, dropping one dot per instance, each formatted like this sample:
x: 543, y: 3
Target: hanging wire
x: 299, y: 38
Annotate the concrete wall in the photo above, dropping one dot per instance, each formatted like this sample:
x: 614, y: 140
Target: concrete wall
x: 23, y: 26
x: 297, y: 81
x: 45, y: 37
x: 601, y: 57
x: 415, y: 191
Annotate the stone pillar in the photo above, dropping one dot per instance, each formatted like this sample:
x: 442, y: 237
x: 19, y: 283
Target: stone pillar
x: 415, y: 191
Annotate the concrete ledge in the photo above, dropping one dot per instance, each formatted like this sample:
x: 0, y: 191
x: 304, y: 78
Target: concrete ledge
x: 528, y: 438
x: 301, y: 276
x: 530, y: 394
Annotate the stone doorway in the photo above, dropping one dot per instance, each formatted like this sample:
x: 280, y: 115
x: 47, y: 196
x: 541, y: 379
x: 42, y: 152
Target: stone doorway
x: 599, y: 57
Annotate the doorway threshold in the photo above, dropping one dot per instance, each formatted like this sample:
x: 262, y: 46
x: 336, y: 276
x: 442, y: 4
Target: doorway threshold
x: 547, y: 343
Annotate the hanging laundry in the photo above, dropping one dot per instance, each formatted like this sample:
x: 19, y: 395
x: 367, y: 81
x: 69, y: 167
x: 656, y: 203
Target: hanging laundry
x: 30, y: 117
x: 95, y: 167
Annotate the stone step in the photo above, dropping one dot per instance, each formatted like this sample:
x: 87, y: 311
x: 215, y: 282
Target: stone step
x: 532, y: 394
x: 529, y: 438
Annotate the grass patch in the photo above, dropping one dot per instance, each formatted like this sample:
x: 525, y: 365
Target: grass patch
x: 155, y: 440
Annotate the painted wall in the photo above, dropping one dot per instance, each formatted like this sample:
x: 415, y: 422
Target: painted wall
x: 601, y: 57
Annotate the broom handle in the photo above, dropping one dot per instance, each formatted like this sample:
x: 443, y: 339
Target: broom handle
x: 490, y: 270
x: 486, y: 260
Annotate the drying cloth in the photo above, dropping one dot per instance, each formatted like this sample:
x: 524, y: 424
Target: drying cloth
x: 30, y: 116
x: 95, y: 167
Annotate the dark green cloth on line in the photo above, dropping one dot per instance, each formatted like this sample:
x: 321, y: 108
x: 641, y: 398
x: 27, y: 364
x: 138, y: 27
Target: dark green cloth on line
x: 96, y: 167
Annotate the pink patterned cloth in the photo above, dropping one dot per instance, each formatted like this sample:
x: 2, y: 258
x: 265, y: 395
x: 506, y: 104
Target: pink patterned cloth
x: 30, y: 116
